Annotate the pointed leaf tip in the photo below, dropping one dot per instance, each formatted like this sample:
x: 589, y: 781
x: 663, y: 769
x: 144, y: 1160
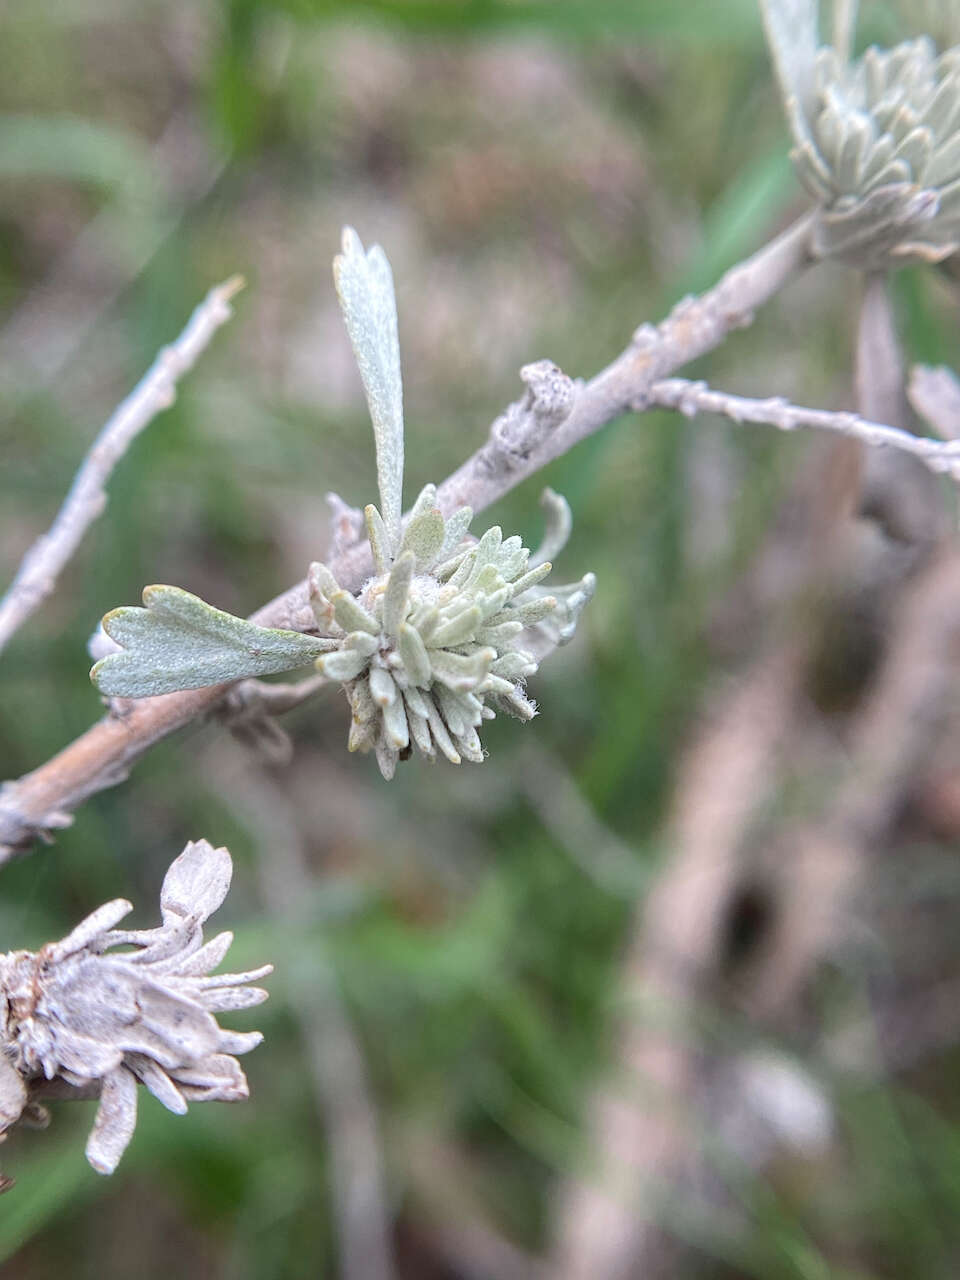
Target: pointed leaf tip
x: 364, y: 285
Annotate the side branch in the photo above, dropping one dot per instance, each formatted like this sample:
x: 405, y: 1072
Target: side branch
x: 694, y: 327
x: 156, y: 391
x: 552, y: 417
x: 691, y: 398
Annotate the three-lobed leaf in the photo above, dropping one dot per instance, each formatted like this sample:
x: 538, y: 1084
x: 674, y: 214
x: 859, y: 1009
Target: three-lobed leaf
x: 178, y: 641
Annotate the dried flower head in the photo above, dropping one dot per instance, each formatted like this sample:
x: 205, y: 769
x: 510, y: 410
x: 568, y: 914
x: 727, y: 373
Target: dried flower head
x: 445, y: 632
x: 71, y: 1012
x: 877, y: 141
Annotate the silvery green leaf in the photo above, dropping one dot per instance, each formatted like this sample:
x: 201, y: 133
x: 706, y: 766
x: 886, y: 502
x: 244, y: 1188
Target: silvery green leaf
x: 365, y: 287
x: 514, y: 666
x: 791, y: 27
x: 458, y: 712
x: 322, y: 581
x: 425, y: 529
x: 419, y: 728
x: 441, y: 735
x: 180, y: 642
x: 502, y: 634
x: 514, y: 558
x: 530, y: 578
x: 362, y: 642
x: 454, y: 531
x: 915, y: 151
x: 426, y: 501
x: 351, y: 615
x: 426, y: 619
x: 461, y: 628
x: 395, y: 724
x: 208, y: 956
x: 469, y: 744
x: 533, y: 611
x: 945, y: 165
x: 342, y: 664
x: 496, y: 684
x: 874, y: 224
x: 396, y: 599
x: 382, y: 688
x: 414, y: 654
x: 484, y: 554
x: 571, y: 602
x: 518, y: 704
x: 386, y: 758
x: 379, y: 539
x: 853, y: 152
x: 417, y: 702
x: 492, y: 604
x: 461, y: 672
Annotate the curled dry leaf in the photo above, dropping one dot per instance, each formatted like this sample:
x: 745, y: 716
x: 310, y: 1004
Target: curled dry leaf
x: 86, y: 1013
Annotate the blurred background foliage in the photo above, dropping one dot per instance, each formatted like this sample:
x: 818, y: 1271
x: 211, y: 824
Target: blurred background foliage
x: 544, y: 176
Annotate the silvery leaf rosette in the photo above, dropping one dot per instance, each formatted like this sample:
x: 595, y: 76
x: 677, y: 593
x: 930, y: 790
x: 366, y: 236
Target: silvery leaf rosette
x: 877, y: 140
x: 106, y: 1009
x: 444, y: 633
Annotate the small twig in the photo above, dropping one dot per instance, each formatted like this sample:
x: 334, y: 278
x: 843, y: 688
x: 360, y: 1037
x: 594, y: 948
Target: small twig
x: 691, y: 398
x: 879, y: 357
x: 156, y: 391
x: 694, y: 327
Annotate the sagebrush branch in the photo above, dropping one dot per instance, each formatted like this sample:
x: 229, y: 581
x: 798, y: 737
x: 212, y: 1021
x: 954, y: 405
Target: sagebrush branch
x: 549, y: 420
x: 45, y: 560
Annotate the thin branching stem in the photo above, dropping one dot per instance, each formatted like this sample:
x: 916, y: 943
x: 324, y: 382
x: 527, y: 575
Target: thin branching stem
x: 40, y: 568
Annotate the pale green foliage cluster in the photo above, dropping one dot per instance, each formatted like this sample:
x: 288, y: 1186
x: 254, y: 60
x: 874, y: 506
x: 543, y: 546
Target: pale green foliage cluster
x: 443, y: 634
x: 877, y: 140
x: 435, y: 640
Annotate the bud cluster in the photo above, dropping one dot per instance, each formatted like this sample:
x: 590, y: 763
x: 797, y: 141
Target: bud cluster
x: 435, y: 641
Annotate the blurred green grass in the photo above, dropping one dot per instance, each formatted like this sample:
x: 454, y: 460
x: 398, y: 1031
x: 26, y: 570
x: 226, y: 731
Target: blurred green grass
x: 544, y: 177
